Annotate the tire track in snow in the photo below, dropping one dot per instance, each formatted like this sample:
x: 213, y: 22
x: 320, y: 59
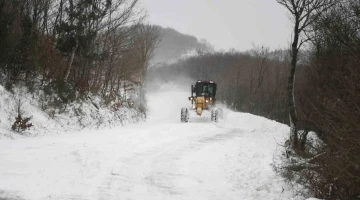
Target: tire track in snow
x: 154, y: 172
x: 164, y: 176
x: 126, y: 176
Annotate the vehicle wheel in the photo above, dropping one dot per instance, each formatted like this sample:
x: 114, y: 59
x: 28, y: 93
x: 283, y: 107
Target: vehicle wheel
x: 184, y: 115
x: 214, y: 115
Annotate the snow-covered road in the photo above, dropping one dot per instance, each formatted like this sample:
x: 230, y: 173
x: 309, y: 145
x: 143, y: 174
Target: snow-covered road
x: 158, y: 159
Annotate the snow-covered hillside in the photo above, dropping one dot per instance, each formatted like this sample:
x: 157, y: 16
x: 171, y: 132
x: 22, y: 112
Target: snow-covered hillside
x: 75, y: 116
x: 159, y: 159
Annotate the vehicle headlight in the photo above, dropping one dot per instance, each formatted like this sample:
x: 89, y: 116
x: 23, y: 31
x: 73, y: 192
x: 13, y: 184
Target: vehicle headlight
x: 207, y: 101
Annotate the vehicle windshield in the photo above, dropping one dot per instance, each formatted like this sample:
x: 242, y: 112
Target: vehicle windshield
x: 208, y: 90
x: 205, y: 89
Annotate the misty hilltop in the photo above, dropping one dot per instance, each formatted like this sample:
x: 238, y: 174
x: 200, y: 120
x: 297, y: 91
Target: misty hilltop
x: 174, y: 44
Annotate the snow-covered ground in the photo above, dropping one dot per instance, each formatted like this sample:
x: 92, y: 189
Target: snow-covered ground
x: 158, y: 159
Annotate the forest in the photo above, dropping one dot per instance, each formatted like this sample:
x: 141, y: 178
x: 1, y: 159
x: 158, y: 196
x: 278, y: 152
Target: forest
x: 72, y: 49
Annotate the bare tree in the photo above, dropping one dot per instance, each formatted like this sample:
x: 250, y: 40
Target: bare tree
x: 147, y: 39
x: 303, y: 13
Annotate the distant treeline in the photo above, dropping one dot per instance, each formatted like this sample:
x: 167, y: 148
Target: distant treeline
x: 249, y: 82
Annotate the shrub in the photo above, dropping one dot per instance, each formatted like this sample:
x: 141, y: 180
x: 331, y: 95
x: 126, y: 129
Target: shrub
x: 21, y: 124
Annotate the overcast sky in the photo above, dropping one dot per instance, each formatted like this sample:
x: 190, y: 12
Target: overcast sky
x: 225, y: 24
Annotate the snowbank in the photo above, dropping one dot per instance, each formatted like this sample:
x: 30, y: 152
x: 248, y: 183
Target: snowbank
x: 75, y: 116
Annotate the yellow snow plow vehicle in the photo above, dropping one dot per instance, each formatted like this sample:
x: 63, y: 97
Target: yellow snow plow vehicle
x: 204, y: 99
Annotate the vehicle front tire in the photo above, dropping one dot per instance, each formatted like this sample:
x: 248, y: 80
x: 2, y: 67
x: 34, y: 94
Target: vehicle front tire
x: 184, y: 115
x: 214, y: 115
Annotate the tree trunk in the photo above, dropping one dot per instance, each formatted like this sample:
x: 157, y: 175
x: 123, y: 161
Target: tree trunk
x: 303, y: 139
x: 70, y: 61
x: 291, y: 88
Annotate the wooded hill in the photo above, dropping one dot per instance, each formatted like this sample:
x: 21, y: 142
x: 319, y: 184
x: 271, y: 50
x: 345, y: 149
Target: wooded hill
x: 174, y: 44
